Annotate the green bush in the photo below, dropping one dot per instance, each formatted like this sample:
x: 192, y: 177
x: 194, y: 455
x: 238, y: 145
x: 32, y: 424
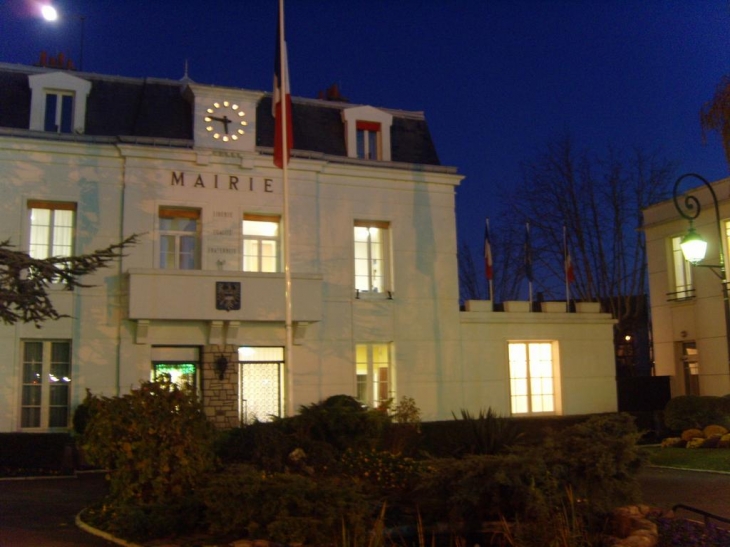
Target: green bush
x: 264, y: 444
x: 599, y: 459
x: 155, y: 442
x: 487, y: 433
x: 695, y: 411
x: 340, y: 421
x: 286, y: 508
x: 594, y: 463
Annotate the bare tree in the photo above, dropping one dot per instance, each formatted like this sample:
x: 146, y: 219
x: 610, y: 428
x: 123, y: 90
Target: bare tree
x: 715, y: 114
x: 24, y: 280
x: 598, y: 199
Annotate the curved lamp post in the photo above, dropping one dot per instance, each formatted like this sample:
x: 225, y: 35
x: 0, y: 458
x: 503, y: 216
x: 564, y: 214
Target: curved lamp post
x: 694, y: 246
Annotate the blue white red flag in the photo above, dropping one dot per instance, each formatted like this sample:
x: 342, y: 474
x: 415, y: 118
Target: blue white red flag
x: 569, y: 271
x: 281, y: 98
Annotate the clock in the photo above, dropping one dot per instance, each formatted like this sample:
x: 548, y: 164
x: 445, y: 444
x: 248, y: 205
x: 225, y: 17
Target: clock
x: 225, y: 121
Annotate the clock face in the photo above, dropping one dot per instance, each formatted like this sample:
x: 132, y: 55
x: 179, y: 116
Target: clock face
x: 225, y: 121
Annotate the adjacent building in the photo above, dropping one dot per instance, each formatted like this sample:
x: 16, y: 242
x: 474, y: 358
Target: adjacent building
x: 87, y: 160
x: 689, y: 322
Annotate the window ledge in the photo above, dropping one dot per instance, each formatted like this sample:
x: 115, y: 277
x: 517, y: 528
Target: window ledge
x: 370, y: 295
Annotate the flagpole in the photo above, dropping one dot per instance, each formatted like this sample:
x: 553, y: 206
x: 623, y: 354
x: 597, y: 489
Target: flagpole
x: 288, y: 349
x: 528, y: 260
x: 565, y: 269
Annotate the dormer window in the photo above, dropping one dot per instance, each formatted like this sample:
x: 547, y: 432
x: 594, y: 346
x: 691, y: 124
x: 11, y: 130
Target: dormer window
x: 58, y: 102
x: 59, y: 112
x: 367, y: 132
x: 369, y: 141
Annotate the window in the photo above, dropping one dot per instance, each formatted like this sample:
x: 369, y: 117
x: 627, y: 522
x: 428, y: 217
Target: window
x: 181, y: 374
x: 261, y: 381
x: 371, y: 252
x: 682, y: 270
x: 179, y: 238
x: 59, y: 112
x: 532, y: 381
x: 374, y: 374
x: 51, y: 228
x: 46, y: 390
x: 368, y: 140
x: 260, y: 243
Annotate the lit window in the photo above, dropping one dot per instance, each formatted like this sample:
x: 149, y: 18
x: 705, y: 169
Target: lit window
x: 368, y: 140
x: 260, y: 243
x: 46, y: 391
x: 532, y: 381
x: 682, y: 270
x: 51, y: 229
x: 59, y: 113
x: 261, y: 382
x: 374, y: 374
x: 181, y: 374
x: 371, y: 266
x: 179, y: 238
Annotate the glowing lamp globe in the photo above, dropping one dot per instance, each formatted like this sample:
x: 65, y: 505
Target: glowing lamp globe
x: 693, y: 246
x: 49, y: 12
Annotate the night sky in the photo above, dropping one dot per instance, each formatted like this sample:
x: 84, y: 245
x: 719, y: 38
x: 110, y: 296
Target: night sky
x: 497, y: 80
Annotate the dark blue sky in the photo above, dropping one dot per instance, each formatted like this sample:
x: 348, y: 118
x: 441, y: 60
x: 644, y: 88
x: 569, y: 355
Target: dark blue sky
x: 496, y: 79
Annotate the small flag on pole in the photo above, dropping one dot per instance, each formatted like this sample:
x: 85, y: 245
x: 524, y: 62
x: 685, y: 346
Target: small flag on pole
x: 281, y: 98
x: 569, y: 272
x: 488, y: 264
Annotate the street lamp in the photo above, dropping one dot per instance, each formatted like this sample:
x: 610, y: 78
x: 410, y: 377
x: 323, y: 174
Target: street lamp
x: 694, y: 246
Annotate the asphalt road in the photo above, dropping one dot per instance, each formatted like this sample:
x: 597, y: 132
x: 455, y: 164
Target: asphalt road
x: 41, y: 513
x: 666, y: 488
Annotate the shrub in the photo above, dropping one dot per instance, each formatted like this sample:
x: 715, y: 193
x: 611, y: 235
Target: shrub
x: 155, y: 442
x: 286, y: 508
x: 264, y: 444
x: 388, y: 472
x: 340, y: 421
x: 600, y: 459
x: 694, y: 411
x: 488, y: 433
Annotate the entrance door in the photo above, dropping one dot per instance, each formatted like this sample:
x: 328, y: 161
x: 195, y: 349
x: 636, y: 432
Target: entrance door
x: 260, y: 370
x: 690, y: 360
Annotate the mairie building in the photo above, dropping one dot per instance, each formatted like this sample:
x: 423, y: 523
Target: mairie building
x: 87, y: 160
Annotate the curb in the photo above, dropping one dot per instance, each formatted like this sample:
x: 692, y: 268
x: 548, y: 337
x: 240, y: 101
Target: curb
x: 102, y: 534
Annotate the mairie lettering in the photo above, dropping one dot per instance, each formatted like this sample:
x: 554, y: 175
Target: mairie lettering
x: 221, y: 182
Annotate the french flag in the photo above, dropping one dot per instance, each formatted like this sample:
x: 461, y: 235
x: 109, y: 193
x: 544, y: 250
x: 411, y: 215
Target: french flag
x: 281, y: 99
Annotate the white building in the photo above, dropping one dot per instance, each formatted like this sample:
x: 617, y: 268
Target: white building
x: 687, y: 307
x: 86, y: 160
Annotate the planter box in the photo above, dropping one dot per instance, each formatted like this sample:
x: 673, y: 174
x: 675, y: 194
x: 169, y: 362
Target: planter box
x: 588, y: 307
x: 478, y: 305
x: 553, y: 307
x: 517, y: 306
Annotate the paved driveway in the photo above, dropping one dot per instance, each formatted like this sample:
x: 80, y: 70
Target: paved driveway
x: 668, y: 487
x: 41, y: 513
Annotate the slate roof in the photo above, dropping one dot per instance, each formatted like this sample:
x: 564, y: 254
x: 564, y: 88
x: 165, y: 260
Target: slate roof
x: 129, y: 107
